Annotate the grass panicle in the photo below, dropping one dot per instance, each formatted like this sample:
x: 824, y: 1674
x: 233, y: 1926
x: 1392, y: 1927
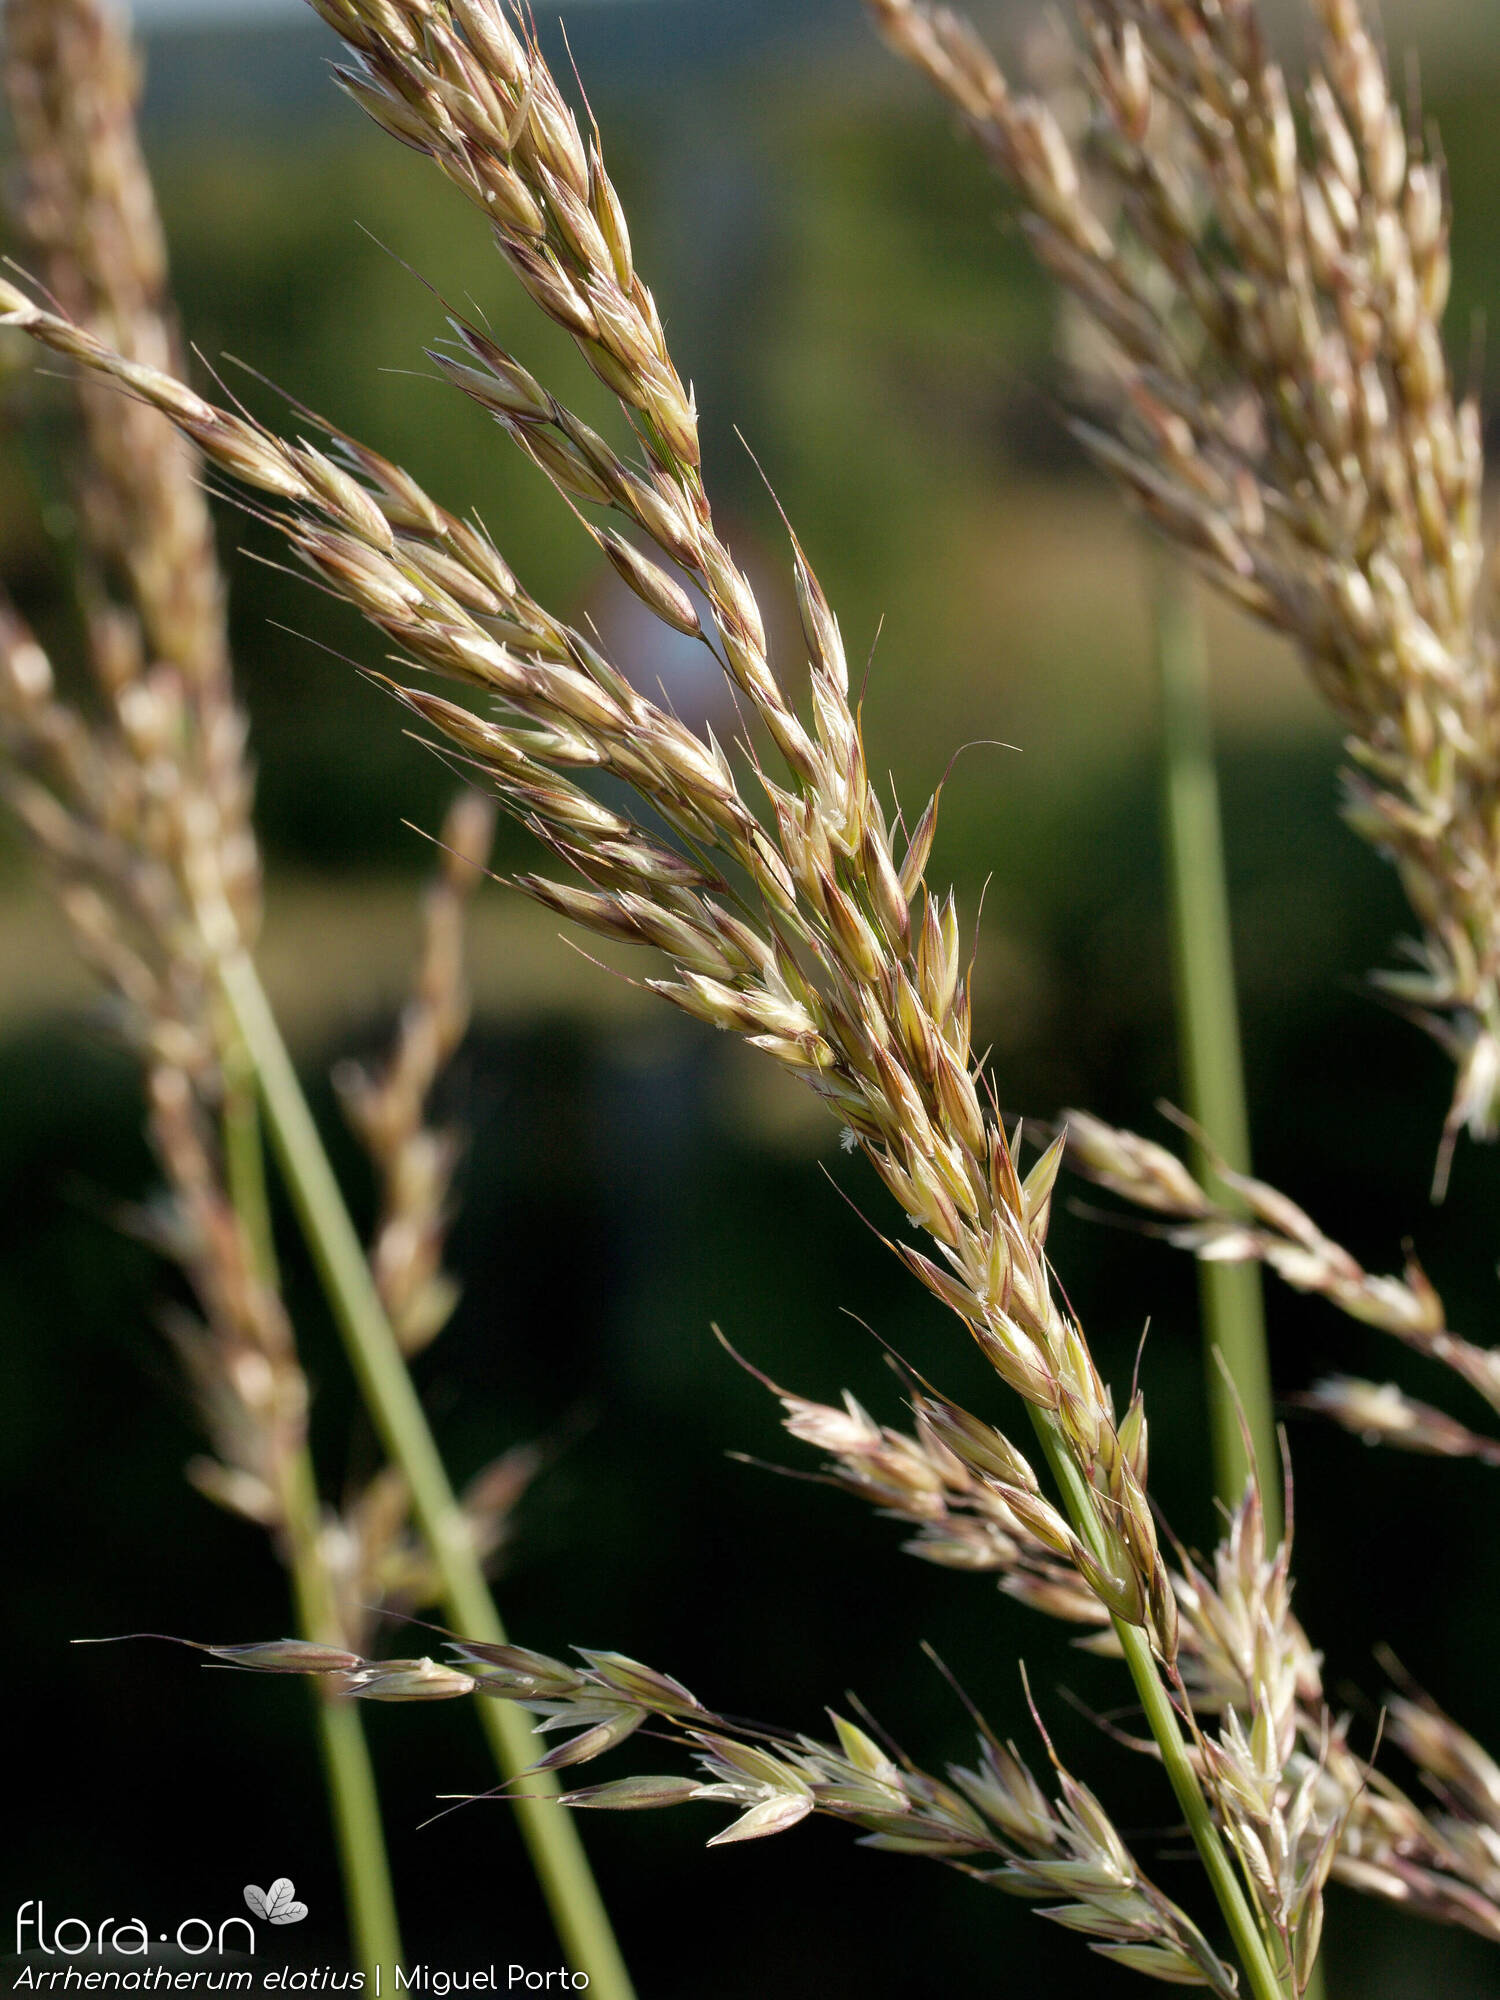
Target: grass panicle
x: 1280, y: 402
x: 1269, y: 268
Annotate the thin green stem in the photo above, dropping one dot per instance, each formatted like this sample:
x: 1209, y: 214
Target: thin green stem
x: 354, y: 1801
x: 363, y: 1862
x: 1161, y: 1719
x: 550, y: 1833
x: 245, y: 1159
x: 1233, y: 1306
x: 1232, y: 1296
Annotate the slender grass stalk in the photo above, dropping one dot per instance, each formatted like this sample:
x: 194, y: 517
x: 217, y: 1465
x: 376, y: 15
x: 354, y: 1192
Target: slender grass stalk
x: 245, y: 1160
x: 1161, y: 1719
x: 551, y: 1837
x: 1233, y: 1306
x: 1231, y: 1296
x: 363, y: 1863
x: 354, y: 1801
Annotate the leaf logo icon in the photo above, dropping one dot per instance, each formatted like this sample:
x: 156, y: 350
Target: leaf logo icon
x: 278, y: 1904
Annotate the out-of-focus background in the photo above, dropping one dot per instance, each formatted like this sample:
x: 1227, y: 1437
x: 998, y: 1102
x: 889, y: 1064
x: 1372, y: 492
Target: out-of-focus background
x: 840, y: 283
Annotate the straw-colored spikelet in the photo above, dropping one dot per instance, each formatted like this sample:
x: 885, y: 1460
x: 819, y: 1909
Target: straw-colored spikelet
x: 993, y: 1820
x: 1274, y: 1231
x: 1440, y: 1864
x: 378, y: 1561
x: 388, y: 1108
x: 1270, y: 276
x: 1244, y: 1657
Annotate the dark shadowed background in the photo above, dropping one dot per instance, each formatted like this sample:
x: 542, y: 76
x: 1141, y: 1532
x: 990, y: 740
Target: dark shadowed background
x: 838, y: 280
